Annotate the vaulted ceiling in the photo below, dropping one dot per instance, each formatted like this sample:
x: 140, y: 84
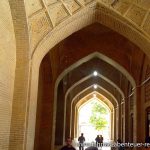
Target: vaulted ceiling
x: 44, y: 15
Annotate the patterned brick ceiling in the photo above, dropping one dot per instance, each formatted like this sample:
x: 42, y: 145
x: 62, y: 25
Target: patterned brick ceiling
x: 45, y: 15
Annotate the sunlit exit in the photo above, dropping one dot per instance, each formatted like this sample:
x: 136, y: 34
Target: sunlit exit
x: 94, y: 119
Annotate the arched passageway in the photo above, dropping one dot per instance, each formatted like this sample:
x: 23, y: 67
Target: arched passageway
x: 49, y: 52
x: 85, y: 115
x: 115, y: 75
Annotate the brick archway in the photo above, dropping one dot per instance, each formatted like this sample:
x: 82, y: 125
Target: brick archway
x: 112, y: 104
x: 81, y: 81
x: 52, y: 39
x: 26, y: 78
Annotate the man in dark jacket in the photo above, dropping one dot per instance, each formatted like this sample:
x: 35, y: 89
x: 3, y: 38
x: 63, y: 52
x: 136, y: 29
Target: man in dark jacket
x: 81, y: 140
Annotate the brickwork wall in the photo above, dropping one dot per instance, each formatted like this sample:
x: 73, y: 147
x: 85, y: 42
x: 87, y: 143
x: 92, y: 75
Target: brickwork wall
x: 20, y: 96
x: 44, y: 107
x: 145, y: 92
x: 7, y: 72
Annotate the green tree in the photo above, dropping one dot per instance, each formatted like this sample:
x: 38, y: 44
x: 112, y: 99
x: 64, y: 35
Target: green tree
x: 98, y: 117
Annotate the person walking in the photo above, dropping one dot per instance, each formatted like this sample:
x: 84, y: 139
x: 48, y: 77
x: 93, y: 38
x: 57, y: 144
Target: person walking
x: 81, y: 140
x: 101, y: 140
x: 97, y: 139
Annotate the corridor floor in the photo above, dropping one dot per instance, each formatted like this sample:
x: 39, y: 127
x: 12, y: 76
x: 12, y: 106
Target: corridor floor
x: 103, y: 148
